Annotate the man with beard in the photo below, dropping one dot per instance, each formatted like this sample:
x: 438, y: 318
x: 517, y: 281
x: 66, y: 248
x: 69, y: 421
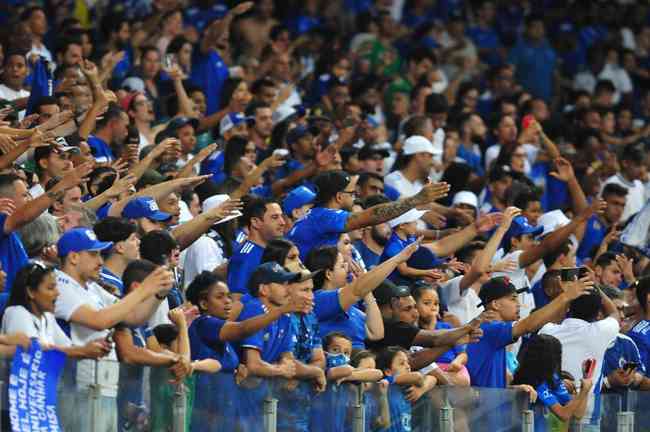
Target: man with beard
x: 472, y: 131
x: 262, y: 117
x: 417, y: 161
x: 420, y: 63
x: 374, y: 238
x: 111, y: 132
x: 264, y: 221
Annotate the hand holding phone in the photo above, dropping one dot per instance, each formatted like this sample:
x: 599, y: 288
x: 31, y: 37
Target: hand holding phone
x: 588, y: 367
x: 570, y: 274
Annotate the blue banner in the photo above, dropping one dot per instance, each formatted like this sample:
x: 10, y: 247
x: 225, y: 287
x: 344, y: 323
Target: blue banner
x: 32, y: 389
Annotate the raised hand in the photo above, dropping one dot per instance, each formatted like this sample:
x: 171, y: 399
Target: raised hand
x: 226, y: 208
x: 298, y: 304
x: 432, y: 192
x: 408, y: 251
x: 488, y: 221
x: 192, y: 182
x: 508, y: 215
x: 563, y: 170
x: 455, y: 265
x: 7, y: 206
x: 576, y: 288
x: 26, y: 122
x: 504, y: 266
x: 242, y: 8
x: 597, y: 207
x: 177, y: 316
x: 627, y: 267
x: 121, y: 185
x: 161, y: 280
x: 6, y: 144
x: 273, y: 161
x: 76, y: 176
x: 89, y: 69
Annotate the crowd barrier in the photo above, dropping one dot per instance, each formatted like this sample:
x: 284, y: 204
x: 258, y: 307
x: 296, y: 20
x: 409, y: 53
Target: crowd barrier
x: 106, y: 396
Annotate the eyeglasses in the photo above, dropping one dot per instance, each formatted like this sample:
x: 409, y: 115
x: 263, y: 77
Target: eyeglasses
x: 351, y: 193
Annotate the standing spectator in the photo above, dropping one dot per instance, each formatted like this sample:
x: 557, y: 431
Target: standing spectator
x: 14, y: 72
x: 125, y: 248
x: 584, y: 336
x: 110, y: 134
x: 632, y: 171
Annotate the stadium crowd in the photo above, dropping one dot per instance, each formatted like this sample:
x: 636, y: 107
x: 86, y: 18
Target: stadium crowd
x: 400, y: 193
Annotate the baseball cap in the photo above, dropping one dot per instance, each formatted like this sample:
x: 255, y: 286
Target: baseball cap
x: 215, y: 201
x: 180, y: 122
x: 133, y: 84
x: 272, y: 272
x: 296, y: 133
x: 410, y: 216
x: 80, y: 240
x: 551, y: 221
x: 499, y: 172
x: 44, y: 152
x: 231, y: 120
x: 368, y: 152
x: 419, y: 144
x: 497, y: 288
x: 465, y: 197
x: 520, y: 226
x: 329, y: 183
x: 144, y: 207
x: 297, y: 198
x: 387, y: 290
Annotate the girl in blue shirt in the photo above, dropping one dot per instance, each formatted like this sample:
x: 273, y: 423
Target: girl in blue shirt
x: 539, y: 366
x: 216, y: 406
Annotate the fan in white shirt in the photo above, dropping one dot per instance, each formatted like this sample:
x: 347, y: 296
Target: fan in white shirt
x: 632, y: 169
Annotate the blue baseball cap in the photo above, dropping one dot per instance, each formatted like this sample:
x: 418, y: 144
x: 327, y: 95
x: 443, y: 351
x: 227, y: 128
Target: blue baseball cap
x: 296, y: 133
x: 272, y: 272
x: 297, y: 198
x: 232, y: 120
x: 520, y: 226
x: 144, y: 207
x: 80, y: 240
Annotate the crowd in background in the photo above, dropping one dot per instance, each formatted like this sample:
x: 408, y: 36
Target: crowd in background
x: 285, y: 196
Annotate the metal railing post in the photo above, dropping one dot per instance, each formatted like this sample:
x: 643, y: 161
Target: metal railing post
x: 446, y: 419
x: 359, y: 411
x: 576, y: 425
x: 625, y: 421
x: 270, y: 414
x: 180, y: 407
x: 527, y: 421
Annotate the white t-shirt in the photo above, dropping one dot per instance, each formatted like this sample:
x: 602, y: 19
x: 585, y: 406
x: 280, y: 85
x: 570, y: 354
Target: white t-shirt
x: 9, y: 94
x: 404, y: 186
x: 519, y: 279
x: 71, y: 297
x: 582, y: 340
x: 636, y: 195
x: 203, y: 254
x: 464, y: 305
x: 45, y: 328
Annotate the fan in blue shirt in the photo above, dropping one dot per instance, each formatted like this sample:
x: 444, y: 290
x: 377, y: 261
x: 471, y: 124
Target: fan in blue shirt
x: 487, y: 358
x: 264, y: 221
x: 211, y: 335
x: 540, y: 366
x: 332, y: 214
x: 623, y: 358
x: 111, y: 129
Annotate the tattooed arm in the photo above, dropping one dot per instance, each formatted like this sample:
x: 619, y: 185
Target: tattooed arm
x: 384, y: 212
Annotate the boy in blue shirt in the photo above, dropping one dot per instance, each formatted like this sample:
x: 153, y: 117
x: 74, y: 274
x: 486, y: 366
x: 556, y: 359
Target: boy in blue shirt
x: 640, y: 333
x: 332, y: 215
x: 264, y: 221
x: 487, y: 358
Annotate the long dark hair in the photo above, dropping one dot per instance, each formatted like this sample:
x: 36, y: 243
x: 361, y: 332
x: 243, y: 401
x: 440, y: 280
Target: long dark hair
x: 277, y: 250
x: 28, y: 278
x: 235, y: 149
x: 323, y: 258
x: 539, y: 360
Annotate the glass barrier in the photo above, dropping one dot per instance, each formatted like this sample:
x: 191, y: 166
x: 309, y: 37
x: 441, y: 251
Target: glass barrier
x: 106, y: 396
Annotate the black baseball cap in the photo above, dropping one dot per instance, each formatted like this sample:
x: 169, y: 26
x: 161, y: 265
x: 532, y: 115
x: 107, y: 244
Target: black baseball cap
x: 180, y: 122
x: 499, y: 172
x: 497, y: 288
x: 387, y: 290
x: 368, y: 152
x: 272, y: 272
x: 329, y: 183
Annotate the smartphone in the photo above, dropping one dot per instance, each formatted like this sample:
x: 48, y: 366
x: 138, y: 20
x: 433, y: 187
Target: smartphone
x: 571, y: 273
x: 630, y: 366
x: 588, y: 367
x: 169, y: 60
x: 133, y: 135
x: 526, y: 121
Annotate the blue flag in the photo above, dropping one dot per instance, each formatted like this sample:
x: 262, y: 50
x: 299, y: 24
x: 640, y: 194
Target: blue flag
x: 32, y: 389
x: 41, y: 80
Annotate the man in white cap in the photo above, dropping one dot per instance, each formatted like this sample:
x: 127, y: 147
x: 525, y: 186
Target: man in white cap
x: 418, y: 158
x: 207, y: 252
x: 466, y: 202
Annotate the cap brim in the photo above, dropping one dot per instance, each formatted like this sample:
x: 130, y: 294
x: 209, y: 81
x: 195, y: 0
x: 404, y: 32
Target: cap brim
x: 159, y: 216
x: 303, y: 276
x: 100, y: 246
x: 517, y: 291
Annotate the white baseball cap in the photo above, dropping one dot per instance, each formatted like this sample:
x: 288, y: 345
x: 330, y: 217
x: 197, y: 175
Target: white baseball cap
x: 216, y: 201
x: 551, y: 221
x: 410, y: 216
x: 419, y: 144
x: 465, y: 197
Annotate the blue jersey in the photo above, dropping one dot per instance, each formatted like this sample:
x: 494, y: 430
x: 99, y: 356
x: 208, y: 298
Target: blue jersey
x: 370, y: 259
x: 306, y: 336
x: 271, y: 341
x: 12, y: 256
x: 394, y: 246
x: 541, y: 299
x: 450, y: 355
x: 400, y: 410
x: 622, y: 350
x: 320, y: 227
x: 242, y: 265
x: 487, y: 358
x: 209, y: 72
x: 206, y: 344
x: 331, y: 318
x: 595, y: 233
x: 101, y: 150
x: 130, y: 388
x: 640, y: 334
x: 214, y: 165
x: 547, y: 396
x: 110, y: 278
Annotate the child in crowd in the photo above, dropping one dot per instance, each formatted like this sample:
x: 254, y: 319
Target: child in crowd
x: 375, y: 395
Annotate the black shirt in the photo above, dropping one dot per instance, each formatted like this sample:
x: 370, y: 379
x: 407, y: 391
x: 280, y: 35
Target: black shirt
x: 396, y: 333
